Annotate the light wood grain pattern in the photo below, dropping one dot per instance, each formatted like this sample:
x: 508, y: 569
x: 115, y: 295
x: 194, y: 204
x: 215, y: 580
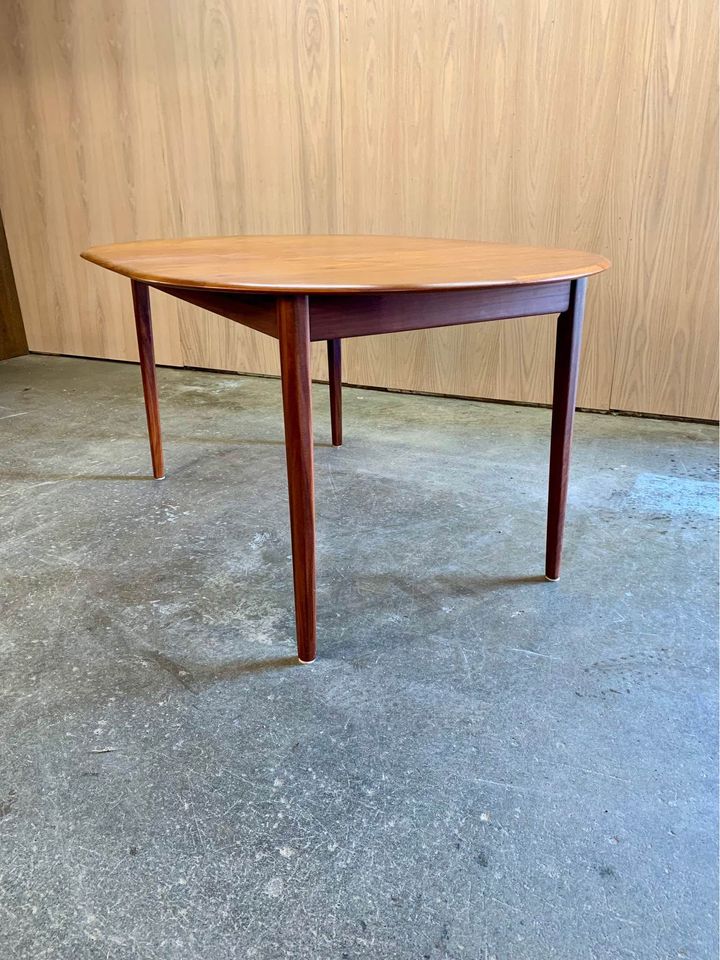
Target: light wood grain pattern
x: 80, y: 150
x: 339, y: 264
x: 587, y: 125
x: 144, y: 118
x: 549, y: 123
x: 252, y: 116
x: 666, y: 356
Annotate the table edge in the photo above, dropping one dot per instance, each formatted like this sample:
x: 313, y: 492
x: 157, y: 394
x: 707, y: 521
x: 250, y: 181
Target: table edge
x: 302, y: 289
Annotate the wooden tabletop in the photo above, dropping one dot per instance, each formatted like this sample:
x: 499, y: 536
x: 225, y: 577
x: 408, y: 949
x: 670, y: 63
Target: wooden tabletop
x: 340, y: 264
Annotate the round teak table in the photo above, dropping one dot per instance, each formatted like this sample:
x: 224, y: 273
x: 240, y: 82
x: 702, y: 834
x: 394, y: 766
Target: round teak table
x: 304, y: 288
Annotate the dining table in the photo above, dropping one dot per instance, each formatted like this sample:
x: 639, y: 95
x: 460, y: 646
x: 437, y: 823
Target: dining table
x: 303, y: 288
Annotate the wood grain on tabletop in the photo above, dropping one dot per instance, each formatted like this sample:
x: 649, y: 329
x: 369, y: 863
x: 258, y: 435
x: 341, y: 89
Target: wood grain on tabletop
x: 339, y: 264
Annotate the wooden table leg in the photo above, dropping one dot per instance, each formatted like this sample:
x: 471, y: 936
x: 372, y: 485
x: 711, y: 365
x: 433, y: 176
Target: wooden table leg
x: 294, y: 335
x: 567, y: 360
x: 143, y: 325
x: 335, y: 381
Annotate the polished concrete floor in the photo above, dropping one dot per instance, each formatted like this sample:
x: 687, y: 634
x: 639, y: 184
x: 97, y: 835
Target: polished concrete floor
x: 480, y: 764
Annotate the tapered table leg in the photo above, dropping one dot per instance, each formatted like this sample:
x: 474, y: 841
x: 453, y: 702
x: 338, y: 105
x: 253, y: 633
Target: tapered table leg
x: 335, y: 382
x: 294, y: 336
x: 143, y: 326
x: 567, y: 361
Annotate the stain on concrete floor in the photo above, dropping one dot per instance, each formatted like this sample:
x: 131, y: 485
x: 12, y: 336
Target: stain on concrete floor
x: 480, y: 765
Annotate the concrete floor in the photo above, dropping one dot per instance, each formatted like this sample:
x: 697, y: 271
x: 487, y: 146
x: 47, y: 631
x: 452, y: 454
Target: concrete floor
x: 479, y: 765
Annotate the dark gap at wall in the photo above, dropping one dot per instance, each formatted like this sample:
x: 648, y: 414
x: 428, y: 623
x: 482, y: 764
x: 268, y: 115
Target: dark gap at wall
x: 410, y: 393
x: 13, y: 342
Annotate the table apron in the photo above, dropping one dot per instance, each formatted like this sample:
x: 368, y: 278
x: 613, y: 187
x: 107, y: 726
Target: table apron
x: 255, y: 310
x: 336, y: 316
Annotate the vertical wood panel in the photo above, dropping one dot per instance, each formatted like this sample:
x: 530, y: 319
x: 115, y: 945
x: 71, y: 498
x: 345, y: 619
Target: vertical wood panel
x: 254, y: 125
x: 666, y: 357
x: 81, y: 159
x: 463, y: 119
x: 581, y: 124
x: 550, y: 121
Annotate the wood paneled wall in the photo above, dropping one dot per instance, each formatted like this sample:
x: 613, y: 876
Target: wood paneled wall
x: 588, y: 123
